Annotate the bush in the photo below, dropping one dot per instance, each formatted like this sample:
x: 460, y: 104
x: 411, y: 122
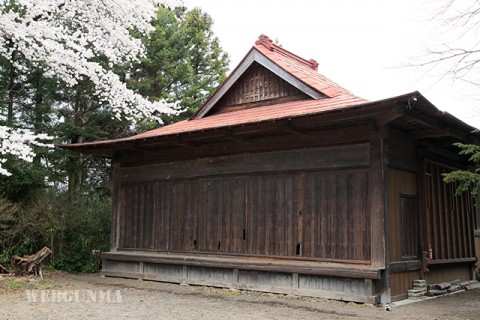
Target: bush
x: 85, y: 233
x: 75, y: 227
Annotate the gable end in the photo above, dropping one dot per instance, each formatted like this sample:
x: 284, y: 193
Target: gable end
x: 255, y: 56
x: 257, y: 87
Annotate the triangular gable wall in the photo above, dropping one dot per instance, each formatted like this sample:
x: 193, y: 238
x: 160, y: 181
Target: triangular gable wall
x: 256, y: 87
x: 254, y: 57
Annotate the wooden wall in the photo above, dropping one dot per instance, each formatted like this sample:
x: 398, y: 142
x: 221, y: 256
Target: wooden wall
x: 448, y: 218
x: 477, y: 238
x: 399, y: 183
x: 442, y: 220
x: 449, y: 272
x: 477, y: 253
x: 401, y: 282
x: 307, y: 207
x: 402, y: 270
x: 255, y: 85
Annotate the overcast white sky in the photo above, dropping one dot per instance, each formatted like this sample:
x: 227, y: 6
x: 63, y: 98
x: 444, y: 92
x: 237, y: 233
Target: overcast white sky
x: 363, y: 45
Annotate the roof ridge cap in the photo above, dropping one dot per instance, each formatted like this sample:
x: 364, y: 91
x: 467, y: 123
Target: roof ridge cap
x: 268, y: 43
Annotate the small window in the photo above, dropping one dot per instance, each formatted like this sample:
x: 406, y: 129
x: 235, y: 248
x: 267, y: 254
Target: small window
x: 408, y: 209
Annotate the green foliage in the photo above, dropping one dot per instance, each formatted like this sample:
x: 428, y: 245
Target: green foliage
x: 76, y: 228
x: 26, y: 179
x: 184, y: 61
x: 470, y: 150
x: 84, y: 232
x: 62, y: 199
x: 8, y: 211
x: 467, y: 179
x: 15, y: 284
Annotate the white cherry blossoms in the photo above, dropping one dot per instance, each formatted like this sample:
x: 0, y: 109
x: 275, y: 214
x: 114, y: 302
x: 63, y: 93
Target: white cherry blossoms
x: 65, y: 37
x: 19, y: 144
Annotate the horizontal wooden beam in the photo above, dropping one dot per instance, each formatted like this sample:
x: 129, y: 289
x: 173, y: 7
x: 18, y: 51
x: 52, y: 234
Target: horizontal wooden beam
x: 433, y: 133
x: 436, y: 152
x: 459, y: 260
x: 337, y: 157
x: 404, y: 266
x: 231, y: 135
x: 330, y: 294
x: 186, y: 144
x: 390, y: 116
x: 249, y: 263
x: 289, y: 128
x: 437, y: 133
x: 402, y: 164
x: 259, y: 143
x: 425, y: 119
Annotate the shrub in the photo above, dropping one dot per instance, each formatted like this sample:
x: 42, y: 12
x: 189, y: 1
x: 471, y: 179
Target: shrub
x: 75, y: 227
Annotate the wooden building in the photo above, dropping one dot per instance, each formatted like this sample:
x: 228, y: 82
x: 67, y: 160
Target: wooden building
x: 283, y: 181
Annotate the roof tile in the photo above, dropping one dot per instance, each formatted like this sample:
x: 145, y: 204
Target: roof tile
x: 247, y: 116
x: 304, y: 70
x: 337, y: 98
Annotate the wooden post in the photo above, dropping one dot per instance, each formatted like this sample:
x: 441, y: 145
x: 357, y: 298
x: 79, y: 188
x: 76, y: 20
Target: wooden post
x: 295, y: 284
x: 116, y: 207
x: 378, y: 209
x: 235, y: 276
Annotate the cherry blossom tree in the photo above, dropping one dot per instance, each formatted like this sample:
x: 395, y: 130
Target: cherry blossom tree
x: 65, y: 38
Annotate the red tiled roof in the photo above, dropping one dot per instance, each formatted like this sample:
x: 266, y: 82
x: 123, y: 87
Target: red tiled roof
x: 260, y: 114
x: 332, y: 98
x: 304, y: 70
x: 255, y: 115
x: 337, y: 98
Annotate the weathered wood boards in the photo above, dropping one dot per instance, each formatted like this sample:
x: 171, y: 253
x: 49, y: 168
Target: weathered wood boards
x: 310, y: 278
x: 280, y: 169
x: 449, y: 227
x: 284, y: 204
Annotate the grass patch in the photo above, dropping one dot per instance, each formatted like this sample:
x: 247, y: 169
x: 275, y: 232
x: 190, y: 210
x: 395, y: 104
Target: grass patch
x: 15, y: 284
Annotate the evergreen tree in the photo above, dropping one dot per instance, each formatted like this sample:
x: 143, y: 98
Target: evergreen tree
x: 184, y: 62
x: 66, y: 194
x: 468, y: 180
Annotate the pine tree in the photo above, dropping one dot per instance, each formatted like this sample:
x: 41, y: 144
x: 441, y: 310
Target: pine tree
x: 184, y: 61
x: 468, y: 180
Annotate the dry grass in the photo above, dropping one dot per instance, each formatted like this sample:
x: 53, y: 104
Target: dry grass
x: 10, y: 284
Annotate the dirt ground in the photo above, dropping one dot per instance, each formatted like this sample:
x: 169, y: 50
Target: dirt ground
x: 94, y: 297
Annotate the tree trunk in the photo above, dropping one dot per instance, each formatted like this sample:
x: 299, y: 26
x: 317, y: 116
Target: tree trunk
x: 31, y: 264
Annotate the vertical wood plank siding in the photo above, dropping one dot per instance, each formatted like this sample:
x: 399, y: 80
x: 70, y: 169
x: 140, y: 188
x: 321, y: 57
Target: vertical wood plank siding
x: 401, y: 183
x: 337, y: 218
x: 299, y: 214
x: 257, y: 84
x: 401, y: 282
x: 448, y: 217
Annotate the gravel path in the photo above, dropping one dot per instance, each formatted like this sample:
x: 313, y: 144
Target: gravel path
x: 94, y: 297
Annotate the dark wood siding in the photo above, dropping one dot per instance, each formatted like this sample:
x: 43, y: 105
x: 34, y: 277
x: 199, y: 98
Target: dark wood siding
x: 137, y: 231
x: 256, y: 85
x: 337, y: 216
x: 318, y: 214
x: 401, y: 282
x: 273, y: 208
x: 409, y: 226
x: 448, y: 217
x: 221, y: 211
x: 404, y: 236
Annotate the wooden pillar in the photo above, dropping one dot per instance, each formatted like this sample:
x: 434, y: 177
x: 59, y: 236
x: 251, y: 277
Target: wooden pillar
x: 116, y: 207
x: 379, y: 223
